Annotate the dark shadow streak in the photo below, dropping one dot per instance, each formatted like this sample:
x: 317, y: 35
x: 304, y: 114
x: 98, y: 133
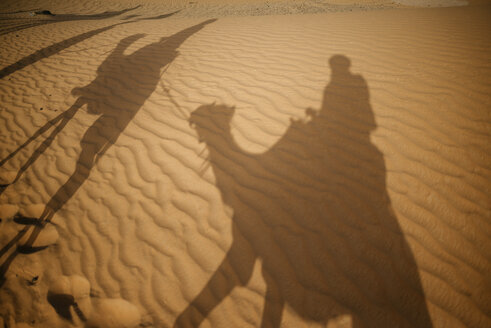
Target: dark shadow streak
x: 135, y: 77
x: 19, y: 12
x: 130, y: 17
x: 63, y: 118
x: 56, y: 19
x: 49, y: 51
x: 62, y: 303
x: 59, y: 46
x: 314, y: 209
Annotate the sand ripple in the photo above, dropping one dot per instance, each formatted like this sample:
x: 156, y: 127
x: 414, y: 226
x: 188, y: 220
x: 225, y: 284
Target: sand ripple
x: 150, y: 225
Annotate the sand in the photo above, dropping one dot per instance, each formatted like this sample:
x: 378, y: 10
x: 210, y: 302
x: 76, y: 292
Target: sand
x: 245, y: 164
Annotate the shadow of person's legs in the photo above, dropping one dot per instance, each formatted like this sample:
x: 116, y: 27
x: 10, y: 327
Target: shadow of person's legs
x: 273, y: 304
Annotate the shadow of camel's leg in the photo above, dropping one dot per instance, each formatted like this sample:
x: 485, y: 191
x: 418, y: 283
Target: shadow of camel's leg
x: 92, y: 143
x: 235, y: 270
x: 84, y: 164
x: 5, y: 266
x: 65, y: 192
x: 64, y: 117
x: 13, y: 241
x: 273, y: 304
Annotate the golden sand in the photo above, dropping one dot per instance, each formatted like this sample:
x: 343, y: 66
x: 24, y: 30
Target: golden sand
x: 245, y: 163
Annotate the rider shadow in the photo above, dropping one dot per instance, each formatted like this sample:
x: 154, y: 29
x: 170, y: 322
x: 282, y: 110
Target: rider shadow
x: 314, y: 208
x: 122, y: 85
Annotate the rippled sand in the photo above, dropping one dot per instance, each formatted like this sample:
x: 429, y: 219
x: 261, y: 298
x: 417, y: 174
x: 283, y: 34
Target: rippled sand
x: 238, y: 164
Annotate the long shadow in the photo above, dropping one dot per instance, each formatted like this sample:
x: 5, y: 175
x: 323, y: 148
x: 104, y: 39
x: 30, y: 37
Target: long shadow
x: 64, y: 117
x: 314, y: 209
x: 10, y: 25
x: 61, y: 120
x: 131, y: 79
x: 18, y: 11
x: 59, y: 46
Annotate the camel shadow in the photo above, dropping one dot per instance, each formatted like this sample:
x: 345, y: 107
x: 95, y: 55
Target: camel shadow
x: 122, y: 85
x: 314, y: 208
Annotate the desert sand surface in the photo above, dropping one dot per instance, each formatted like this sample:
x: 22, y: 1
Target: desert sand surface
x: 245, y: 163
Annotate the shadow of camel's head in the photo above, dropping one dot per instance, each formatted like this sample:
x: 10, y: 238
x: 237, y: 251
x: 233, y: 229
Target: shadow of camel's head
x: 211, y: 119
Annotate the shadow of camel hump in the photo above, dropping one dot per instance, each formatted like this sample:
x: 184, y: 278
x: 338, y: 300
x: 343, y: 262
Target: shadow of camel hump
x: 314, y: 208
x: 122, y: 85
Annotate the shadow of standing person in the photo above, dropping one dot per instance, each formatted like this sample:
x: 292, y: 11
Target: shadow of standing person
x: 315, y: 210
x: 122, y: 85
